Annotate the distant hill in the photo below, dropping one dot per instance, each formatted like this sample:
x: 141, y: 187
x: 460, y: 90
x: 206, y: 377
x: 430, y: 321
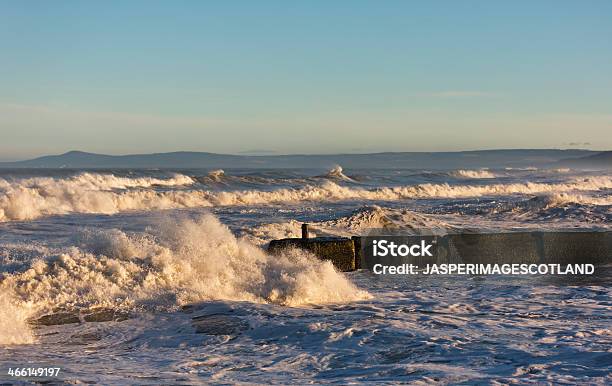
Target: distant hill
x: 433, y: 160
x: 599, y: 160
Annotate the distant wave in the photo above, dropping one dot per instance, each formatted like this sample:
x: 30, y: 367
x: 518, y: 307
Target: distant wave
x: 571, y: 209
x: 92, y: 181
x: 336, y: 173
x: 561, y: 170
x: 176, y: 264
x: 219, y: 178
x: 216, y: 175
x: 529, y: 168
x: 27, y: 199
x: 482, y: 173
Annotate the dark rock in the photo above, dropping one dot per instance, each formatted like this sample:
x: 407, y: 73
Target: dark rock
x: 105, y: 315
x: 219, y: 324
x: 76, y: 316
x: 58, y: 318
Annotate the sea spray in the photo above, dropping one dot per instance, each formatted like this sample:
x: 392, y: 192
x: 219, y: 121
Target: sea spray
x: 175, y: 263
x: 14, y: 327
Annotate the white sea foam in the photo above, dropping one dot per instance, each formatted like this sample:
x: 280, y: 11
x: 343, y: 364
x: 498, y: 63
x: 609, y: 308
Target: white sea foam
x: 569, y: 198
x: 482, y: 173
x: 176, y: 264
x: 529, y: 168
x: 94, y: 181
x: 25, y: 201
x: 14, y: 328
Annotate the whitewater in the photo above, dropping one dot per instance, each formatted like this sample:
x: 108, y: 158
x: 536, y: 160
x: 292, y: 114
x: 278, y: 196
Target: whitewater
x: 162, y: 277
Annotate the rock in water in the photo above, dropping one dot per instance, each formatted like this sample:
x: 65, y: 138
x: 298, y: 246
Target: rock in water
x: 58, y: 318
x: 76, y: 316
x: 219, y: 324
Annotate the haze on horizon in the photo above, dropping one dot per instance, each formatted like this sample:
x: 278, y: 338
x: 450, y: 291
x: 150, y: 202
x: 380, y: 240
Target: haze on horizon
x: 318, y: 77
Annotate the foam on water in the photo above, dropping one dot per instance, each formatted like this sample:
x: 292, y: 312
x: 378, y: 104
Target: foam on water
x: 482, y: 173
x: 178, y: 263
x: 565, y: 198
x: 88, y: 193
x: 292, y: 315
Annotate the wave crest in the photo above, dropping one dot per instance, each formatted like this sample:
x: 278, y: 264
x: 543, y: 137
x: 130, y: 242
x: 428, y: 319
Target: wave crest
x: 25, y: 202
x: 336, y: 173
x: 475, y: 174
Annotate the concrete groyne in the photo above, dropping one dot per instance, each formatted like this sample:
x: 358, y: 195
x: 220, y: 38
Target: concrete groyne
x: 558, y: 247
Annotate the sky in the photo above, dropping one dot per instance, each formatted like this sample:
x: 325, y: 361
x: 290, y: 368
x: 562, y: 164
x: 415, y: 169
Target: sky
x: 280, y: 77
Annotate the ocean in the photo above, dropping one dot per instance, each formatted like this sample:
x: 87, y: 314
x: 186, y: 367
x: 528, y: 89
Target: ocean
x: 161, y: 277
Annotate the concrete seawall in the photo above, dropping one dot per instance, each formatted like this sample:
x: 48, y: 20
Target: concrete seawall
x: 340, y: 251
x: 572, y: 247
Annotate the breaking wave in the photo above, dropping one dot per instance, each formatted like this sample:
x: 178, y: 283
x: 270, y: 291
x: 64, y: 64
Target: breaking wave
x: 359, y: 222
x: 567, y: 209
x: 483, y: 173
x: 568, y: 198
x: 92, y: 181
x: 216, y: 175
x: 336, y: 173
x: 97, y: 194
x: 176, y: 264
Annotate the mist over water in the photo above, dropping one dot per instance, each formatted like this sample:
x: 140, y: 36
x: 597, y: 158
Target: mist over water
x: 165, y: 248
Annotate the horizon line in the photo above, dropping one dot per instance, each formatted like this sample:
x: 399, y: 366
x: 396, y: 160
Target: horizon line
x: 246, y: 154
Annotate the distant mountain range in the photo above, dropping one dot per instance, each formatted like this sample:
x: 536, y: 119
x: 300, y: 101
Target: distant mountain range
x: 423, y: 160
x: 599, y: 160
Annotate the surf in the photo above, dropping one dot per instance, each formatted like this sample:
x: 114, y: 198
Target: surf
x: 176, y: 263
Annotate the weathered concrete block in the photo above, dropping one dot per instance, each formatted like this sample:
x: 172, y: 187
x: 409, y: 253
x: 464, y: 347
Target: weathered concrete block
x: 340, y: 251
x: 509, y: 248
x: 577, y: 247
x: 359, y: 258
x: 477, y: 248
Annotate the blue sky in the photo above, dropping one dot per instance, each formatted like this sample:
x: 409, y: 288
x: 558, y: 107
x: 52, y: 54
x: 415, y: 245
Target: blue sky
x: 303, y: 77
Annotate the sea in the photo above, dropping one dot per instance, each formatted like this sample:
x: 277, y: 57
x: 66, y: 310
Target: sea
x: 162, y: 277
